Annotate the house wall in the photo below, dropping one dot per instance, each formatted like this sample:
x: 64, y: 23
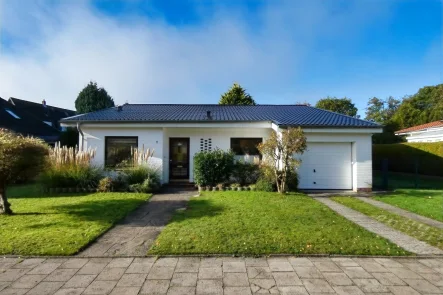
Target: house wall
x: 431, y: 135
x: 157, y: 138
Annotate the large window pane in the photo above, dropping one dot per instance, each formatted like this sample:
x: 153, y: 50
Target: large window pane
x: 118, y: 149
x: 245, y: 146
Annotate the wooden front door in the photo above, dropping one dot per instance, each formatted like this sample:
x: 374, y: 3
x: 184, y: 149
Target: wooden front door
x: 179, y: 158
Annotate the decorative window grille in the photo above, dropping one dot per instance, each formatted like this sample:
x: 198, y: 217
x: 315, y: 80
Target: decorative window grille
x: 205, y: 145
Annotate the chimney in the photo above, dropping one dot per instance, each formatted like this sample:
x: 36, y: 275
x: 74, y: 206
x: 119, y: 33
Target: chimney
x: 119, y: 108
x: 44, y: 103
x: 208, y: 114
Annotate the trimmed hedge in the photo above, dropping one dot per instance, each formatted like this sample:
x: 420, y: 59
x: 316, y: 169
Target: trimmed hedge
x: 403, y: 156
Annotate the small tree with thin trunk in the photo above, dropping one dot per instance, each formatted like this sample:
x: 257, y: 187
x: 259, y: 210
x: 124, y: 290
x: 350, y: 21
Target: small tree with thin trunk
x: 279, y: 154
x: 19, y: 157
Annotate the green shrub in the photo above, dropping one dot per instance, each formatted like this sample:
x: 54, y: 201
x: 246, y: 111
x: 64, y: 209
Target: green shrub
x: 292, y: 181
x: 235, y: 185
x: 245, y: 173
x: 265, y: 185
x: 138, y: 174
x: 120, y: 182
x: 403, y: 156
x: 212, y: 167
x: 71, y: 177
x: 149, y: 185
x: 105, y: 185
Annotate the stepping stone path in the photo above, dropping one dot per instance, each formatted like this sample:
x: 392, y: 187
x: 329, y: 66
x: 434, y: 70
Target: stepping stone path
x: 221, y: 275
x: 404, y: 241
x: 402, y: 212
x: 136, y: 233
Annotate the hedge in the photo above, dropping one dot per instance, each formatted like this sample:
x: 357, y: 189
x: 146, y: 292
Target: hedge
x: 403, y: 156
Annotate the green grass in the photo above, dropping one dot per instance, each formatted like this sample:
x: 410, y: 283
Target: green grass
x: 418, y: 230
x: 61, y: 224
x: 428, y: 203
x: 405, y: 180
x: 254, y: 223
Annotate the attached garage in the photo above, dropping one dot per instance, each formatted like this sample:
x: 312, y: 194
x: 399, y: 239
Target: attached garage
x: 326, y: 165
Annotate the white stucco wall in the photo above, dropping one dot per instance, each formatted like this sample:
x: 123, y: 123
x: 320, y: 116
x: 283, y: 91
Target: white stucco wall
x: 430, y: 135
x: 157, y: 138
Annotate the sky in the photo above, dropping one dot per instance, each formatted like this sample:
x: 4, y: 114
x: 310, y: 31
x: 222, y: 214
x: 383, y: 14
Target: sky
x: 191, y: 51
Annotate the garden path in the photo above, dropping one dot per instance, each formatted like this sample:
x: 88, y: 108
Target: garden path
x: 136, y: 233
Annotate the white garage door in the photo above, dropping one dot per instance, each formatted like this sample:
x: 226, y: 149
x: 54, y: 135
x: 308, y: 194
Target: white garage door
x: 326, y: 166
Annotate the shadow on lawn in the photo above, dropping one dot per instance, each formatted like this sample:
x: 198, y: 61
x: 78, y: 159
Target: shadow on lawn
x: 423, y: 194
x: 198, y: 209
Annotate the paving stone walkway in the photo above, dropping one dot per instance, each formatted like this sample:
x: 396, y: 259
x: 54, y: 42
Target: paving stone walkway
x: 227, y: 275
x: 136, y: 233
x: 402, y: 212
x: 404, y: 241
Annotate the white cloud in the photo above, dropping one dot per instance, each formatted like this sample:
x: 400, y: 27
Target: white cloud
x: 57, y: 49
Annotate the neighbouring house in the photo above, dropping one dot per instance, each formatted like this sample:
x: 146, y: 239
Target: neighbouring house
x: 49, y: 115
x: 338, y: 154
x: 429, y: 132
x: 22, y: 122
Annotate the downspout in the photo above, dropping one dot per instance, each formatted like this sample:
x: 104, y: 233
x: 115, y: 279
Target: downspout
x: 83, y: 136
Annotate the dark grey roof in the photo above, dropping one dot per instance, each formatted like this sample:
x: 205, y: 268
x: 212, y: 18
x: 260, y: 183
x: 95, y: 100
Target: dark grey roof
x: 283, y: 115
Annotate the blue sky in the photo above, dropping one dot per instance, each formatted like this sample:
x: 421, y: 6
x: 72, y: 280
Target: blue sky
x: 191, y: 51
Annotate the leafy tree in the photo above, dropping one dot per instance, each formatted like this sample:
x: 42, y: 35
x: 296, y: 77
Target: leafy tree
x: 92, y: 99
x: 339, y: 105
x: 20, y: 157
x: 69, y: 137
x: 278, y: 153
x: 236, y: 95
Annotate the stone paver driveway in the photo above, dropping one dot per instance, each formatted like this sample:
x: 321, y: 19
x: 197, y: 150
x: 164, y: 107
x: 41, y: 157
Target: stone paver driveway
x: 227, y: 275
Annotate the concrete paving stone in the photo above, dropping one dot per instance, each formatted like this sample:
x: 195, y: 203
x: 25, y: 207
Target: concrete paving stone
x: 403, y: 290
x: 45, y: 268
x: 184, y: 279
x: 432, y: 263
x: 337, y: 279
x: 61, y: 275
x: 211, y: 262
x: 125, y: 291
x: 418, y: 267
x: 234, y: 266
x: 111, y: 274
x: 237, y: 291
x: 181, y: 290
x: 293, y: 290
x: 344, y: 261
x: 120, y: 262
x: 279, y: 264
x: 132, y: 280
x: 262, y: 284
x: 79, y: 281
x: 387, y: 262
x: 93, y: 267
x: 257, y: 272
x: 161, y: 273
x: 356, y: 272
x: 287, y: 279
x: 373, y: 267
x: 258, y: 262
x: 308, y: 272
x: 404, y: 273
x: 27, y: 281
x: 210, y: 273
x: 70, y: 291
x: 6, y: 263
x: 327, y: 266
x: 3, y: 285
x: 434, y: 278
x: 45, y: 288
x: 370, y: 286
x: 166, y: 261
x: 100, y: 287
x: 300, y: 261
x: 209, y: 287
x: 232, y: 279
x: 12, y: 274
x: 348, y: 290
x: 188, y: 264
x: 29, y: 263
x: 423, y: 286
x: 155, y: 287
x: 74, y: 263
x: 10, y: 291
x: 388, y: 279
x: 317, y: 286
x: 140, y: 266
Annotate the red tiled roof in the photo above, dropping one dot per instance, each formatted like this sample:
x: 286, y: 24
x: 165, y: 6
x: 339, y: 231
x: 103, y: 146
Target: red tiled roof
x: 421, y: 127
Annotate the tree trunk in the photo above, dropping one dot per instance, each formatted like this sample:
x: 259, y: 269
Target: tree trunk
x: 5, y: 207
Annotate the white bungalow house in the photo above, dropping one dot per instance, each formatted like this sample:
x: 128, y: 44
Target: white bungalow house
x: 429, y: 132
x: 338, y: 154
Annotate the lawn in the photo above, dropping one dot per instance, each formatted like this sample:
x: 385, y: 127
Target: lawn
x: 60, y: 224
x: 428, y: 203
x: 254, y: 223
x: 418, y: 230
